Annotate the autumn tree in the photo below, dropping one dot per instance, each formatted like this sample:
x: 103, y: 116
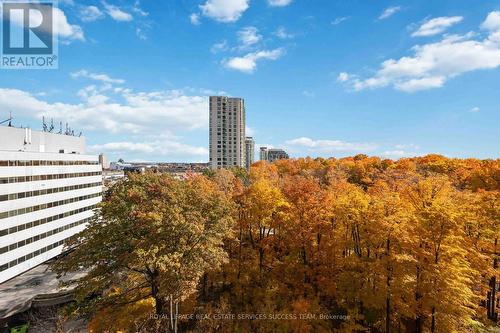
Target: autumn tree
x: 401, y: 246
x: 152, y: 237
x: 444, y: 276
x: 397, y: 246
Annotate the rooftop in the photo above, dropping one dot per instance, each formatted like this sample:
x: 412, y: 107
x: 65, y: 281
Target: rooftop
x: 28, y: 140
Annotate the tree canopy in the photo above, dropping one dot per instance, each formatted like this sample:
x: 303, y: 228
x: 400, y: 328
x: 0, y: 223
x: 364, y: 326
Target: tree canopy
x: 357, y: 244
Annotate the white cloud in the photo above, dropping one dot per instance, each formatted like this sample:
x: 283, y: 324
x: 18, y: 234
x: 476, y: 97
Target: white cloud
x: 61, y: 26
x: 149, y: 120
x: 219, y: 47
x: 67, y: 2
x: 248, y: 63
x: 90, y: 13
x: 431, y: 65
x: 140, y: 33
x: 436, y: 25
x: 400, y: 153
x: 421, y: 83
x: 308, y: 93
x: 279, y: 3
x: 157, y: 147
x: 224, y: 10
x: 94, y: 76
x: 339, y: 20
x: 249, y: 131
x: 64, y: 29
x: 122, y: 146
x: 283, y: 34
x: 407, y: 146
x: 138, y: 10
x: 116, y: 110
x: 343, y: 77
x: 116, y: 13
x: 329, y: 146
x: 194, y: 19
x: 388, y: 12
x: 403, y: 150
x: 492, y: 22
x: 248, y: 36
x: 475, y: 109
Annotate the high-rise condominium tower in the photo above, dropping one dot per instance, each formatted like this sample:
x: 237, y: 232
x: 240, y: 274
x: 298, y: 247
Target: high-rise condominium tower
x: 250, y: 147
x: 227, y: 132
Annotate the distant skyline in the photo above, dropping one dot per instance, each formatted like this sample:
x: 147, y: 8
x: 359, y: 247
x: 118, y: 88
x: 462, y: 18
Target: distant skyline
x: 323, y: 78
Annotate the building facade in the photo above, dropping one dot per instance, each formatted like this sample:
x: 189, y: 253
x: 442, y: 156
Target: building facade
x: 48, y: 189
x: 227, y: 132
x: 263, y: 154
x: 250, y: 151
x: 104, y: 162
x: 272, y: 154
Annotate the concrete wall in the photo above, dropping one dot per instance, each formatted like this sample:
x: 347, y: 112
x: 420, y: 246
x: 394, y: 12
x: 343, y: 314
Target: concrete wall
x: 28, y: 140
x: 12, y: 256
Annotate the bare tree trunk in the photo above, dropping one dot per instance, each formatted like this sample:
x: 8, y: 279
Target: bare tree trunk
x: 171, y: 313
x: 491, y: 296
x: 418, y: 317
x: 239, y: 252
x: 155, y: 294
x: 388, y: 314
x: 261, y: 258
x: 433, y: 320
x: 418, y: 324
x: 176, y: 315
x: 388, y: 296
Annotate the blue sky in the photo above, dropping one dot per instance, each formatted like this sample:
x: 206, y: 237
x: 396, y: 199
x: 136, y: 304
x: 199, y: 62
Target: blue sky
x: 320, y: 78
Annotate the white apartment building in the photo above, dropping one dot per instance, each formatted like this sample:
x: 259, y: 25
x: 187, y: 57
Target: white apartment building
x: 227, y: 132
x: 48, y: 188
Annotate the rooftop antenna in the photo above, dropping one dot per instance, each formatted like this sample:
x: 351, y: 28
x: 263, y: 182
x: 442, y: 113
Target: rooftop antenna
x: 8, y: 120
x: 68, y: 130
x: 51, y: 128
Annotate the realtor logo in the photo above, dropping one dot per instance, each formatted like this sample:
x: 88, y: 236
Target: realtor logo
x: 28, y: 40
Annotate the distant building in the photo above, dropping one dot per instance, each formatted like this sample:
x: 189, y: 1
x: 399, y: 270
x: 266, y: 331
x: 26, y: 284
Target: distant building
x: 263, y: 154
x: 177, y: 169
x: 183, y: 168
x: 250, y: 151
x: 48, y: 190
x: 227, y: 132
x: 272, y: 154
x: 276, y: 154
x: 119, y: 166
x: 103, y: 160
x: 111, y: 177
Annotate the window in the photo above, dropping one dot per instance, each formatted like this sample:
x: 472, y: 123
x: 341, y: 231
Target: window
x: 32, y: 254
x: 9, y: 180
x: 51, y: 204
x: 14, y: 196
x: 37, y: 163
